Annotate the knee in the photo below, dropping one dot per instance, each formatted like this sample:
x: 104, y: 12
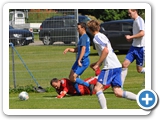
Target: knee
x: 139, y: 70
x: 125, y: 64
x: 96, y: 89
x: 118, y: 93
x: 71, y: 78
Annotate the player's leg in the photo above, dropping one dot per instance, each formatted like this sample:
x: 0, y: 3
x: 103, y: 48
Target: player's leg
x: 128, y: 60
x: 125, y: 94
x: 116, y: 85
x: 101, y: 98
x: 103, y: 79
x: 124, y: 72
x: 140, y: 59
x: 78, y: 71
x: 140, y: 69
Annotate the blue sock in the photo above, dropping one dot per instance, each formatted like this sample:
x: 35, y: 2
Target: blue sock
x: 76, y: 87
x: 82, y: 82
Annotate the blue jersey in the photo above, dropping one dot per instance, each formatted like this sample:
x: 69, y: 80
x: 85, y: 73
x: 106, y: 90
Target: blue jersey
x: 84, y: 41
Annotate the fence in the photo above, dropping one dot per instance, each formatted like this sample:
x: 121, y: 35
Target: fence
x: 37, y: 65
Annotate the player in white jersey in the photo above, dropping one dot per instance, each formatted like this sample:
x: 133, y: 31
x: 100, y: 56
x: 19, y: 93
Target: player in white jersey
x: 111, y: 71
x: 137, y: 50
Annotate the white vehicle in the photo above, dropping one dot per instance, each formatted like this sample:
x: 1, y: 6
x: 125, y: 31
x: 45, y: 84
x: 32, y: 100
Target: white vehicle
x: 17, y: 21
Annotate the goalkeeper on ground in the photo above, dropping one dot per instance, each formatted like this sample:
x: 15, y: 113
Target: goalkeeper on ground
x: 65, y: 86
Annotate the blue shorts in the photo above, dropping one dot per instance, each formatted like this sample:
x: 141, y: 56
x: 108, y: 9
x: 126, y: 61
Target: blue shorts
x: 136, y: 53
x: 79, y: 70
x: 111, y: 76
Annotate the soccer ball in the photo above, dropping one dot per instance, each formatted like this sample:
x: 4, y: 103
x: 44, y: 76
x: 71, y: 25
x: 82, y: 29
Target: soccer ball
x: 23, y: 95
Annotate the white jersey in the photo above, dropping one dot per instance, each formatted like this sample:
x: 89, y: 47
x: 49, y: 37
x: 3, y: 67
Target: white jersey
x: 111, y: 61
x: 138, y: 25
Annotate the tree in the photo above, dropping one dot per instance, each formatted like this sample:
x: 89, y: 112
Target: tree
x: 109, y: 14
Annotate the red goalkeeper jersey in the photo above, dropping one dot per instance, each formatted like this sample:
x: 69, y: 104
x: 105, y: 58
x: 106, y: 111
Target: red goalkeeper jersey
x: 67, y: 85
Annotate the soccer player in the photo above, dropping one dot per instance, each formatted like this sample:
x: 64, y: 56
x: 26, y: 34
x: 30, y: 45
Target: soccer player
x: 82, y: 61
x: 137, y: 50
x: 65, y: 86
x: 111, y: 71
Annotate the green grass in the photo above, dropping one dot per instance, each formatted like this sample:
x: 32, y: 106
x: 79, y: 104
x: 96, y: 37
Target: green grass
x: 46, y: 62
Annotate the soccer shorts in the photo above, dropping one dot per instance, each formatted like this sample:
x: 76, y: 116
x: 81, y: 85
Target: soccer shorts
x: 136, y: 53
x: 110, y: 77
x: 79, y: 70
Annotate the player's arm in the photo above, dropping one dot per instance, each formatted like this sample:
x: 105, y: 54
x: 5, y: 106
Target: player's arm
x: 64, y: 89
x: 62, y: 94
x: 101, y: 58
x: 138, y: 35
x: 70, y: 50
x: 83, y: 49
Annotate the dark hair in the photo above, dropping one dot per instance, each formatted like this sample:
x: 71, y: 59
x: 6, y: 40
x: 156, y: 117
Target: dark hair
x: 82, y: 24
x: 53, y: 80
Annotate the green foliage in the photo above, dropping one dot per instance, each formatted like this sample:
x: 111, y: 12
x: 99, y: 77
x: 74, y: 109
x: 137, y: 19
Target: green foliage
x: 110, y: 14
x: 39, y: 15
x: 28, y: 88
x: 18, y: 89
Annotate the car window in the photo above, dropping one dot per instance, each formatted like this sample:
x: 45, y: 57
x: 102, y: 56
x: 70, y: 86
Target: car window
x: 127, y: 26
x: 84, y: 19
x: 70, y: 22
x: 113, y: 27
x: 54, y: 23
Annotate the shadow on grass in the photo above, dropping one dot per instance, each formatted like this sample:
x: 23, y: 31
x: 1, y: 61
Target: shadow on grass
x: 116, y: 52
x: 93, y: 54
x: 108, y: 92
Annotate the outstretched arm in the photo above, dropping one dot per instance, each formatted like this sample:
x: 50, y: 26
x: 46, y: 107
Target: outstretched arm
x: 62, y: 94
x: 70, y: 50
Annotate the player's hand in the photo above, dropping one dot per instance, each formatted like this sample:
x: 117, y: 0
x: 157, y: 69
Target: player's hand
x: 59, y: 96
x: 129, y: 38
x: 95, y: 67
x: 65, y: 51
x: 79, y: 63
x: 92, y: 65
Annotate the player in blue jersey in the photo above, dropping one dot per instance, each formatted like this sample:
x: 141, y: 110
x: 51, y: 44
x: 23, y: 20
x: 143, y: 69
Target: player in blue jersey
x: 82, y: 60
x: 137, y: 50
x: 111, y: 71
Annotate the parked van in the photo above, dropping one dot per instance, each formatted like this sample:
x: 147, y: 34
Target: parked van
x: 61, y: 28
x: 115, y: 31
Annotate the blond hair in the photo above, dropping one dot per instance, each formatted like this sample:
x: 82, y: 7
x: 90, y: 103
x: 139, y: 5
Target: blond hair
x: 93, y: 25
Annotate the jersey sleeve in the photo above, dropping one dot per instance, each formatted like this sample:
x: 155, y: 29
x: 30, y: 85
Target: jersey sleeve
x: 140, y: 23
x: 64, y: 85
x: 100, y: 42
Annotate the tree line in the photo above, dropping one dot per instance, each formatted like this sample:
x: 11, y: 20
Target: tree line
x: 110, y: 14
x: 102, y: 14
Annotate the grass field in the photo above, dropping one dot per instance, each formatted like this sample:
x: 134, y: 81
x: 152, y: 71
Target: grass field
x: 46, y: 62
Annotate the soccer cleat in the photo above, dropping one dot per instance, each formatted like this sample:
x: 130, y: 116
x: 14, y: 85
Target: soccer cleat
x: 91, y: 87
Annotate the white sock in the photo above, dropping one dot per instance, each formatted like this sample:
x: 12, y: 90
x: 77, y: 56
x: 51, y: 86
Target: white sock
x: 143, y: 70
x: 102, y: 99
x: 129, y: 95
x: 123, y: 75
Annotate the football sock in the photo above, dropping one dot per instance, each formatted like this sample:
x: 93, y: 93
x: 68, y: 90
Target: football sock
x: 143, y: 70
x: 82, y: 82
x: 76, y: 87
x: 123, y: 75
x: 102, y: 99
x: 129, y: 95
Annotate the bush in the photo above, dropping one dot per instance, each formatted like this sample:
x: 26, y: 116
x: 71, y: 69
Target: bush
x: 28, y: 88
